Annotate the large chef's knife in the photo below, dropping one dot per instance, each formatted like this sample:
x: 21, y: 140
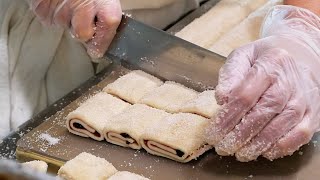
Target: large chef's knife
x: 168, y: 57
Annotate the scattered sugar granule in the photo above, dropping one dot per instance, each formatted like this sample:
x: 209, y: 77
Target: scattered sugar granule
x: 300, y: 153
x: 51, y: 140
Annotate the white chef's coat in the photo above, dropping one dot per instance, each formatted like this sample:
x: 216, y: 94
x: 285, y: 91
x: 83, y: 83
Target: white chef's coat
x: 39, y: 64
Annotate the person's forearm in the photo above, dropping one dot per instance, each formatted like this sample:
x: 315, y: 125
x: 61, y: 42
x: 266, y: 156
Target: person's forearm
x: 312, y: 5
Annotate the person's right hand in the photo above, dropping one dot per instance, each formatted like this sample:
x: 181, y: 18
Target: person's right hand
x: 93, y: 22
x: 269, y: 90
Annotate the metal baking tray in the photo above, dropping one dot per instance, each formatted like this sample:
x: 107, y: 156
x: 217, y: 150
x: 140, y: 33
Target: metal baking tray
x: 8, y: 145
x: 302, y: 165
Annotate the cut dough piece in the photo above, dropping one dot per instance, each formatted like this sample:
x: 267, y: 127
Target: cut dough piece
x: 133, y: 86
x: 39, y: 166
x: 205, y: 105
x: 144, y: 4
x: 124, y: 175
x: 93, y: 115
x: 127, y: 128
x: 169, y: 97
x: 85, y: 167
x: 180, y: 137
x: 244, y: 33
x: 225, y: 15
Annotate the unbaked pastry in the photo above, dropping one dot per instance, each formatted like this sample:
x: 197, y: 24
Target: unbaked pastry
x: 169, y: 97
x: 93, y: 115
x: 247, y: 31
x: 39, y: 166
x: 133, y: 86
x: 205, y: 105
x: 85, y: 167
x: 126, y: 128
x: 220, y: 19
x: 180, y: 137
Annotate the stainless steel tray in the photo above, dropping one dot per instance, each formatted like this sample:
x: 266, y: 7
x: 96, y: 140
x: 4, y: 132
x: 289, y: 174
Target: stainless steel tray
x: 302, y: 165
x: 8, y: 145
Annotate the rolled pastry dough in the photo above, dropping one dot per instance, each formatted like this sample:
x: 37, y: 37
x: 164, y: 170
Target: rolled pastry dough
x: 132, y: 86
x: 180, y: 137
x: 85, y: 167
x: 244, y: 33
x: 225, y: 15
x: 124, y: 175
x: 126, y: 128
x: 144, y: 4
x: 93, y: 115
x: 169, y: 97
x: 205, y: 105
x: 39, y: 166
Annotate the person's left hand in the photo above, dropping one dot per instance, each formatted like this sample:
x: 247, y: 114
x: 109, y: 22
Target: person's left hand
x: 93, y: 22
x: 269, y: 90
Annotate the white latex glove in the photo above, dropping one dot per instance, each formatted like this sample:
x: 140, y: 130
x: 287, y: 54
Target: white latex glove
x: 93, y: 22
x: 269, y: 89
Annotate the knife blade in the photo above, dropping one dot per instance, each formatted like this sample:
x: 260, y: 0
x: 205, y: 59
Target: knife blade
x: 139, y: 46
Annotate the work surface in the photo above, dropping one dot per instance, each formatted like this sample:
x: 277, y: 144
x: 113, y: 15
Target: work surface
x: 53, y: 143
x: 304, y: 164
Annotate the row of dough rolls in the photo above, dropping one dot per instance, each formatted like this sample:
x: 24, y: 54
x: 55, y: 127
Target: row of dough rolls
x: 228, y: 25
x: 142, y: 88
x: 169, y: 120
x: 178, y: 137
x: 86, y: 166
x: 245, y: 32
x: 220, y: 19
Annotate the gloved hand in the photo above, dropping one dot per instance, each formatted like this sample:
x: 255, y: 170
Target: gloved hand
x: 269, y: 89
x: 93, y: 22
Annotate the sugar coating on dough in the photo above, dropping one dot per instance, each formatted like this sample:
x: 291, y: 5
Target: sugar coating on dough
x: 220, y: 19
x: 183, y: 131
x: 39, y: 166
x: 169, y: 97
x: 87, y: 166
x: 245, y: 32
x: 133, y: 86
x: 132, y: 122
x: 204, y: 104
x: 125, y: 175
x: 94, y: 114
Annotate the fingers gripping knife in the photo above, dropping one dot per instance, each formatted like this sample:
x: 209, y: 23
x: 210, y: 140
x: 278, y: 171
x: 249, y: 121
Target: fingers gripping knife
x: 168, y: 57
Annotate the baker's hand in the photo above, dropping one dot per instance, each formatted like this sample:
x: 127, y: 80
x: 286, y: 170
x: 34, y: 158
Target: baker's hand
x: 93, y: 22
x: 269, y: 90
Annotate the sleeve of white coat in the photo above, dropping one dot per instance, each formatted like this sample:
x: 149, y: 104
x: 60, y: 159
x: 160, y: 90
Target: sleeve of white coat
x: 38, y: 64
x: 7, y: 16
